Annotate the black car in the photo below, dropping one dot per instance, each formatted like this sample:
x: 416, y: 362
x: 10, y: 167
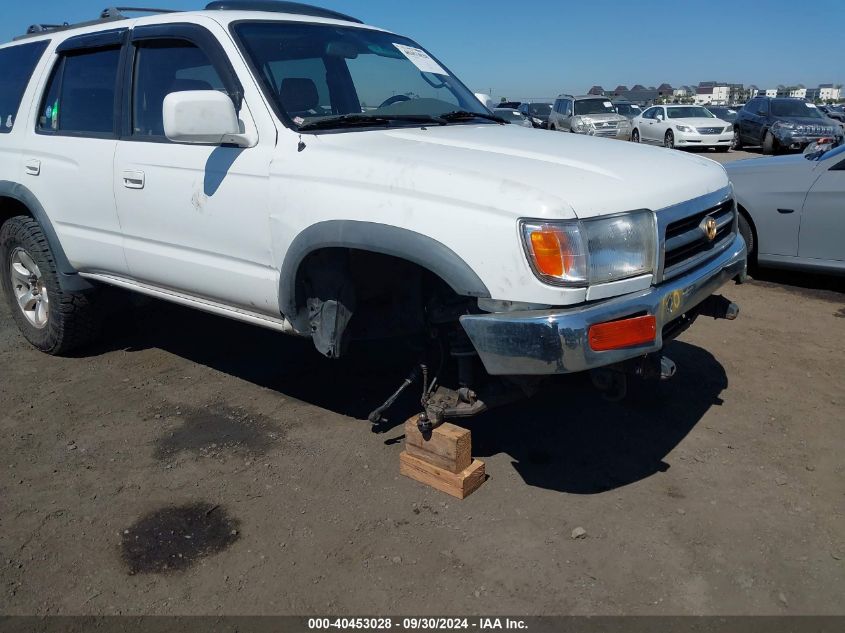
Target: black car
x: 834, y: 113
x: 782, y: 123
x: 537, y: 112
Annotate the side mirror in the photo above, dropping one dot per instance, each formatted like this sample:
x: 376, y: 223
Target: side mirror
x: 203, y: 117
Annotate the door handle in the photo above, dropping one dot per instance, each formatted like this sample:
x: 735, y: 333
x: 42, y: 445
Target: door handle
x: 33, y: 167
x: 133, y: 179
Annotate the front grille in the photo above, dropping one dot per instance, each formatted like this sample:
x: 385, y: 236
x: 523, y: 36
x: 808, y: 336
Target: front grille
x: 814, y: 130
x: 710, y: 130
x: 687, y: 243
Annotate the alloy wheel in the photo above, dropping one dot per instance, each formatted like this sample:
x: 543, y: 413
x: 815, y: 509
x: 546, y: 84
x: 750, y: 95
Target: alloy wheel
x: 29, y: 289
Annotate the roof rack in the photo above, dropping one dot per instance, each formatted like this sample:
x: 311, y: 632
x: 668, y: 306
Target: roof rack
x: 112, y: 14
x: 119, y: 13
x: 279, y: 6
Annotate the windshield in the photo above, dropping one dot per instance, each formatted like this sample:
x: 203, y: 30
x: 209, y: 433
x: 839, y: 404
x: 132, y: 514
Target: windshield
x: 316, y: 73
x: 795, y: 108
x: 689, y: 112
x: 628, y: 109
x: 540, y: 109
x: 509, y: 115
x: 594, y: 106
x: 726, y: 114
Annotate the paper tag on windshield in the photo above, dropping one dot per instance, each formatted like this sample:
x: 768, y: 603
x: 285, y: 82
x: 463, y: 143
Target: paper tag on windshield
x: 608, y: 104
x: 421, y: 59
x: 810, y: 105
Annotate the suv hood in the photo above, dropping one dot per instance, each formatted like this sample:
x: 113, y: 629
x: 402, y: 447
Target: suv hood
x: 516, y: 171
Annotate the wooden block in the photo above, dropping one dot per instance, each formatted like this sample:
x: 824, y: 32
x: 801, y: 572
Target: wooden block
x: 460, y: 485
x: 449, y: 446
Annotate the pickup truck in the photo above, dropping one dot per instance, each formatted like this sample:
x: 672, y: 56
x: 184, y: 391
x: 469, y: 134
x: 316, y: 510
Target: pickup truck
x: 290, y: 167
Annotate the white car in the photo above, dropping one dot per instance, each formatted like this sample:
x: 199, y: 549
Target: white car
x: 682, y: 126
x: 208, y: 158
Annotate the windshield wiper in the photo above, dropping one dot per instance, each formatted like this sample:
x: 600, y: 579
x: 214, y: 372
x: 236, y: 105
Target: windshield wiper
x: 464, y: 115
x: 363, y: 120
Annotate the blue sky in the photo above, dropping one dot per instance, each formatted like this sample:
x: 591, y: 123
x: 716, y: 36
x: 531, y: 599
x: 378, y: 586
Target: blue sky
x: 542, y: 48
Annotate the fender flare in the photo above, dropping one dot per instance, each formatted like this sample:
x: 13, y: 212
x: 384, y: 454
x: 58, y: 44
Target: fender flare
x: 69, y: 278
x: 377, y: 238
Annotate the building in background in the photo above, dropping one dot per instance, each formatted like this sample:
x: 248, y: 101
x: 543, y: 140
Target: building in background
x: 829, y: 92
x: 798, y: 92
x: 713, y: 93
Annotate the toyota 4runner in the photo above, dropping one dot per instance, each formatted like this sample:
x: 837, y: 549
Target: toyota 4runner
x: 290, y: 167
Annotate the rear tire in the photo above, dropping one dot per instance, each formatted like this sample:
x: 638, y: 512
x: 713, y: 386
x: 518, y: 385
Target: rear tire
x: 53, y: 320
x: 770, y: 145
x: 635, y: 136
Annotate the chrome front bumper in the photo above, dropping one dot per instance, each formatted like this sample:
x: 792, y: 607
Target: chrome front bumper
x: 556, y: 341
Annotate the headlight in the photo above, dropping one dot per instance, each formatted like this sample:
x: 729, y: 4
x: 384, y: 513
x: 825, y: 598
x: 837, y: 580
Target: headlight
x: 581, y: 124
x: 728, y: 130
x: 685, y: 128
x: 783, y: 125
x: 590, y: 252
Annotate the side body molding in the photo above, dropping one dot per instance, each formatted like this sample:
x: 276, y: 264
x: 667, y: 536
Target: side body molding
x: 68, y: 276
x: 377, y: 238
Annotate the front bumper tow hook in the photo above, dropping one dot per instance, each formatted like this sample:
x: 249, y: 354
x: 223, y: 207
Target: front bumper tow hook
x: 667, y: 368
x: 719, y: 307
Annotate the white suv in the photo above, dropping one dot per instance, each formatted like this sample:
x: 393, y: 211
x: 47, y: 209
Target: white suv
x: 290, y: 167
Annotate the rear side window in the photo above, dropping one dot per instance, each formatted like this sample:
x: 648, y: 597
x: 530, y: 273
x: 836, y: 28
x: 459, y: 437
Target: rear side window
x: 16, y: 66
x: 80, y: 98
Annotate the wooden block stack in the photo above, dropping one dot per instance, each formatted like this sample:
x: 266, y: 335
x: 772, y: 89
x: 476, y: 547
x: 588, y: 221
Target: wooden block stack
x: 442, y: 460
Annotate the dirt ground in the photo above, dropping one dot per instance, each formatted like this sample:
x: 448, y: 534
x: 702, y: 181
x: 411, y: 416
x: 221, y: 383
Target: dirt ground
x: 192, y: 465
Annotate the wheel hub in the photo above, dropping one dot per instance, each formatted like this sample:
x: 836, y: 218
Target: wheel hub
x: 29, y: 289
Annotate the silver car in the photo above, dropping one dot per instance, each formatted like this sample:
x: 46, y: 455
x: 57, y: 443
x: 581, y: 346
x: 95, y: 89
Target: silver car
x: 594, y: 116
x: 792, y: 209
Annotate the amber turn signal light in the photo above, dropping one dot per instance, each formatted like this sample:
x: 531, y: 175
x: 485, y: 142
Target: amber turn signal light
x: 547, y: 253
x: 621, y: 334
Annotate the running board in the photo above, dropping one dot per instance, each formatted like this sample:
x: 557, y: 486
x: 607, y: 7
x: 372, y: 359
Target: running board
x: 199, y: 303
